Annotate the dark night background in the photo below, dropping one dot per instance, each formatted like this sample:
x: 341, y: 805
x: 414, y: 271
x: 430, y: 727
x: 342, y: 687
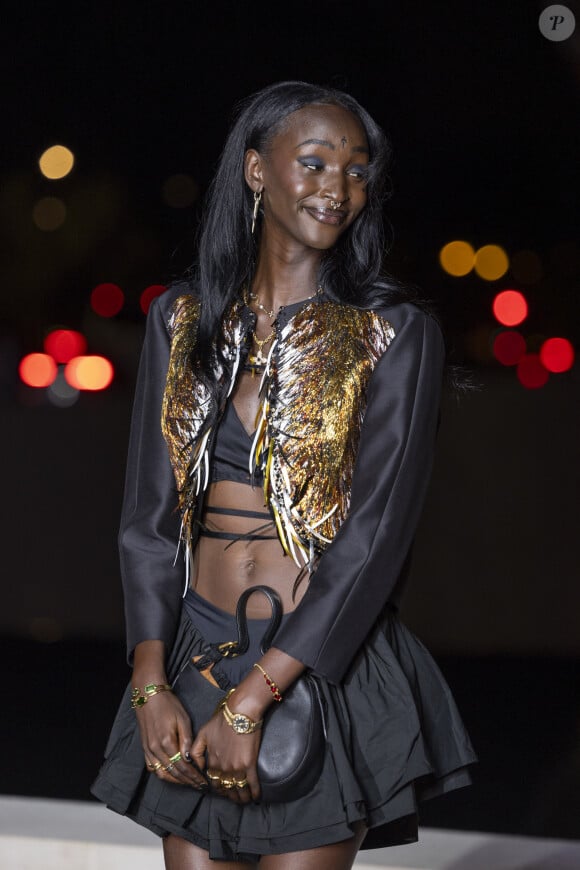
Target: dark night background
x: 484, y: 116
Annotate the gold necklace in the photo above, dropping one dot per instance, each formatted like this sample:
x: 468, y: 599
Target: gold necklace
x: 250, y: 296
x: 258, y: 360
x: 254, y: 298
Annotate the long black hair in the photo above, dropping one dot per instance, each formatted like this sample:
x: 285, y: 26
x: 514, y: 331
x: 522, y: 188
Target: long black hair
x: 350, y: 272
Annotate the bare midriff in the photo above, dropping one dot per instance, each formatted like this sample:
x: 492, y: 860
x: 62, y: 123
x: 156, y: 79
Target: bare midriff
x: 223, y: 569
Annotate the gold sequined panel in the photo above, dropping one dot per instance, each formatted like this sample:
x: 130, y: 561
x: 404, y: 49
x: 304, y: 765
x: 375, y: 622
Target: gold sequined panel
x: 316, y: 402
x: 187, y: 403
x: 186, y: 399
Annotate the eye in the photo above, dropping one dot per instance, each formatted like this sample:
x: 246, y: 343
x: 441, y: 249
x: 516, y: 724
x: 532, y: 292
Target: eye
x: 359, y: 172
x: 312, y: 163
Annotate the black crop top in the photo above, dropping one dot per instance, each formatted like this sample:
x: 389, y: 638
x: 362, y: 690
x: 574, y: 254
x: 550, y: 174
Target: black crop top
x: 231, y: 455
x: 231, y: 458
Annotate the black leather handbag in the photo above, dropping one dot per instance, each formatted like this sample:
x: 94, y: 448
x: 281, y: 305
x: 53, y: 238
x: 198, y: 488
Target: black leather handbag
x: 293, y: 743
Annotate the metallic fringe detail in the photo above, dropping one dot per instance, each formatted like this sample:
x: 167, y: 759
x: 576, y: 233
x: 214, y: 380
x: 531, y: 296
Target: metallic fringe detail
x: 186, y: 408
x: 308, y: 426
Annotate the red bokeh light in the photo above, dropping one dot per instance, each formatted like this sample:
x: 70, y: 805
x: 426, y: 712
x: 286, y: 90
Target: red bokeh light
x: 37, y: 370
x: 63, y: 344
x: 557, y: 354
x: 531, y: 372
x: 107, y: 299
x: 89, y: 373
x: 149, y: 294
x: 509, y: 347
x: 510, y: 307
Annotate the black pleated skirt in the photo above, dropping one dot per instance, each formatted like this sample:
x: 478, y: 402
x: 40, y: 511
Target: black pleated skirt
x: 394, y: 738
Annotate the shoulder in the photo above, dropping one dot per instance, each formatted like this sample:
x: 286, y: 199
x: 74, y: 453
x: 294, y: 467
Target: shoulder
x: 410, y: 318
x: 179, y: 305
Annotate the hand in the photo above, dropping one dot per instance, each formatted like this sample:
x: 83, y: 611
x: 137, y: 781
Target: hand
x: 166, y: 731
x: 231, y: 758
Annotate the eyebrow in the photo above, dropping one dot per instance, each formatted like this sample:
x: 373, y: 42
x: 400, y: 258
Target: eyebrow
x: 359, y: 149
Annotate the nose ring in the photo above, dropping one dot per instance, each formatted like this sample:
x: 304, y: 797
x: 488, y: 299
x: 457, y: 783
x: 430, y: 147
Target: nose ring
x: 334, y: 204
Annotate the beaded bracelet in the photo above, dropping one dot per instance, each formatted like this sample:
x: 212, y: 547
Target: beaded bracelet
x: 270, y: 683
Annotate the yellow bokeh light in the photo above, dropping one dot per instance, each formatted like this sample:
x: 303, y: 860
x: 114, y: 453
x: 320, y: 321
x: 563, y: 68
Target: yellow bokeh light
x: 491, y: 262
x: 56, y: 162
x: 49, y: 213
x: 457, y: 258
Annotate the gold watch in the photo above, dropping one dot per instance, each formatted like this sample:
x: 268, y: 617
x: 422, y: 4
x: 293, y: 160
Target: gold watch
x: 239, y: 722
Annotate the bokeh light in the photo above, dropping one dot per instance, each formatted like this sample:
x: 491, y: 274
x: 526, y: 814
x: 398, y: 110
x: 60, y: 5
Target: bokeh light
x: 531, y: 372
x: 49, y: 213
x: 491, y: 262
x: 89, y: 373
x: 557, y: 354
x: 37, y: 370
x: 526, y: 267
x: 64, y: 344
x: 510, y: 307
x: 179, y: 191
x: 107, y: 299
x: 149, y: 294
x: 60, y: 393
x: 457, y: 258
x: 56, y: 162
x: 509, y: 347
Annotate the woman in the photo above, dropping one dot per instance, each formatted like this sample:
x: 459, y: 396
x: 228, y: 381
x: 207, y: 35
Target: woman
x: 299, y: 394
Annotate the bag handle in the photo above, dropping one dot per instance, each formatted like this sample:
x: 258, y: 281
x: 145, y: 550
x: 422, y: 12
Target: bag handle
x: 215, y: 652
x: 242, y: 620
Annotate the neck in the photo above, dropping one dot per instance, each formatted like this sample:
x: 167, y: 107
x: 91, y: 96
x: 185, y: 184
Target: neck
x: 284, y: 277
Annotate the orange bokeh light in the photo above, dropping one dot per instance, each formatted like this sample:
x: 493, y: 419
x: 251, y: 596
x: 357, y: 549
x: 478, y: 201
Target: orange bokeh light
x: 510, y: 307
x: 64, y: 344
x: 457, y: 258
x: 37, y: 370
x: 107, y: 299
x: 89, y: 373
x: 149, y: 294
x: 491, y: 262
x: 557, y: 354
x: 531, y: 372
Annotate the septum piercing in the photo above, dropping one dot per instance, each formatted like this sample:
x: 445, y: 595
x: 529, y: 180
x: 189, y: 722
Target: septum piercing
x: 334, y: 204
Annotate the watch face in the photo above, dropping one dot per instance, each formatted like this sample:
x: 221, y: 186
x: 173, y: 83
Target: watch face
x: 241, y: 723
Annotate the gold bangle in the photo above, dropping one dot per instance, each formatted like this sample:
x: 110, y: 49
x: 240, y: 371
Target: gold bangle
x: 239, y: 722
x: 138, y: 698
x: 272, y: 685
x: 223, y: 701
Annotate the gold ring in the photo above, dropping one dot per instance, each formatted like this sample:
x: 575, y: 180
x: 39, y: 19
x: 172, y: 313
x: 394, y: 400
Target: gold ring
x: 156, y: 766
x: 228, y: 783
x: 241, y: 783
x: 214, y: 777
x: 176, y: 757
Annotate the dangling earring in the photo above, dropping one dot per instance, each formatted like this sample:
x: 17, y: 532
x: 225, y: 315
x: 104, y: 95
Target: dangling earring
x: 257, y: 201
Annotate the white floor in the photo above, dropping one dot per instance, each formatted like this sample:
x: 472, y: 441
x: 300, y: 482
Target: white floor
x: 64, y: 835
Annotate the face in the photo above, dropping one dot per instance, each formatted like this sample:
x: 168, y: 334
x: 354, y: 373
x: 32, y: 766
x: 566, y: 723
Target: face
x: 320, y: 157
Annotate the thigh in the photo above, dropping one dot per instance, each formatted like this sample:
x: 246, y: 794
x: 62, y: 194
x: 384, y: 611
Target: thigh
x: 336, y: 856
x: 180, y: 854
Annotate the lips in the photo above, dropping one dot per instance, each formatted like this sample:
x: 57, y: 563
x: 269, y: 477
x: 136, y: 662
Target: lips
x: 334, y: 217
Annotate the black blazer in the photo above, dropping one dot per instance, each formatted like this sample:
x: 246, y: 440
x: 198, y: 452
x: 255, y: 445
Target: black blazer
x: 363, y: 568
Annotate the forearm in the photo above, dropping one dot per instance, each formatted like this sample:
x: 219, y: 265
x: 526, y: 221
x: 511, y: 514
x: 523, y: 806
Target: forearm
x: 149, y: 663
x: 253, y: 696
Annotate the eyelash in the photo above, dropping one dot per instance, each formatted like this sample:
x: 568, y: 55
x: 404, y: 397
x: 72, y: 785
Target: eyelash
x: 361, y: 174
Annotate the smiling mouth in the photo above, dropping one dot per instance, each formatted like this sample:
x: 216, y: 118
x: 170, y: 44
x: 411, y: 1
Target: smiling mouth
x: 326, y: 215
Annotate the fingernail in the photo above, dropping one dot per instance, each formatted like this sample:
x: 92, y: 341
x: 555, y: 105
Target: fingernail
x: 187, y: 756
